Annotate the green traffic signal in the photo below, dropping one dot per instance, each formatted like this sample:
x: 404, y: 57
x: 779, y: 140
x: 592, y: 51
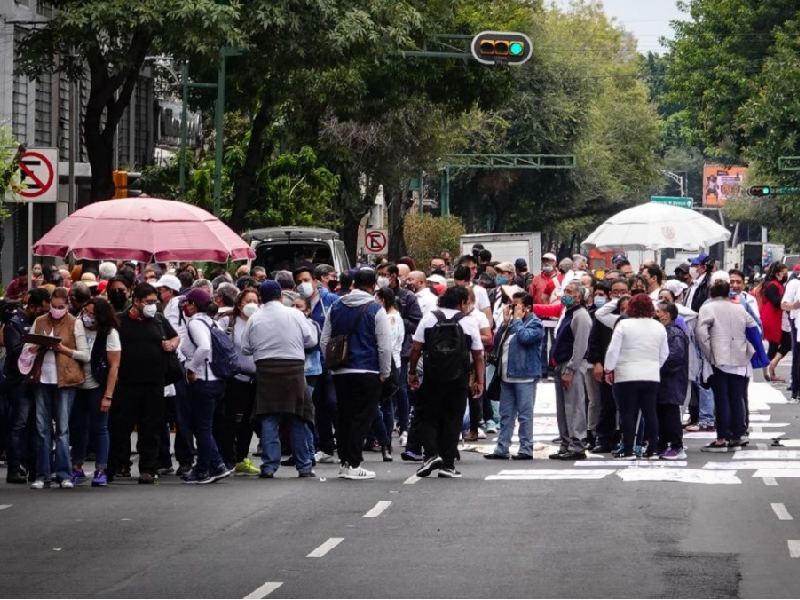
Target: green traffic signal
x: 516, y: 48
x: 759, y: 190
x: 501, y: 47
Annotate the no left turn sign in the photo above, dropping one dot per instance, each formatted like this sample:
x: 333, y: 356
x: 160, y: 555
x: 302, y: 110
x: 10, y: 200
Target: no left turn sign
x: 376, y: 241
x: 39, y: 172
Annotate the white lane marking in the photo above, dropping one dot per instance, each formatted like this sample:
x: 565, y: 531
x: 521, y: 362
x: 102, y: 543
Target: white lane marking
x: 264, y: 590
x: 754, y: 435
x: 325, y: 548
x: 411, y: 480
x: 655, y: 464
x: 378, y: 509
x: 762, y: 425
x: 745, y: 465
x: 790, y: 443
x: 752, y: 418
x: 4, y: 506
x: 531, y: 474
x: 778, y: 473
x: 766, y: 455
x: 770, y: 481
x: 794, y: 548
x: 680, y: 475
x: 780, y: 511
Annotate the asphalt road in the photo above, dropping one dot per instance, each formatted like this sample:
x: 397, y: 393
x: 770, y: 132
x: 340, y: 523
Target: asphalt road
x: 537, y: 531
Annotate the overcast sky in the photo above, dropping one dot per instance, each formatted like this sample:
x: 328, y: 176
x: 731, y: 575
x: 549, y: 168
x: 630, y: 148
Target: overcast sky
x: 646, y: 19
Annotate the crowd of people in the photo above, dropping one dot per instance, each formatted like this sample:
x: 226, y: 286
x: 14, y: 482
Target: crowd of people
x: 322, y: 366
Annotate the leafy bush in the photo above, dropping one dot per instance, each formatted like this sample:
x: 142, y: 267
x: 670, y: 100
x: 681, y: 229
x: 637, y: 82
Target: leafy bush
x: 426, y: 236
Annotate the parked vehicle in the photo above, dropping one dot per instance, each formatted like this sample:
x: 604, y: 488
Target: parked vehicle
x: 507, y: 247
x: 284, y: 248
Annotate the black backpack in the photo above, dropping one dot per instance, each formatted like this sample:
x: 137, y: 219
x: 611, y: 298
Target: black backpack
x: 99, y: 359
x: 447, y: 350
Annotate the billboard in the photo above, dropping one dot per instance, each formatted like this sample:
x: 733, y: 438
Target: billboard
x: 721, y: 183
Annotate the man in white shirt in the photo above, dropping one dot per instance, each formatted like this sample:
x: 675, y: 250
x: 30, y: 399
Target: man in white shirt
x: 463, y: 276
x: 176, y: 395
x: 442, y: 397
x: 426, y: 299
x: 791, y: 303
x: 277, y: 337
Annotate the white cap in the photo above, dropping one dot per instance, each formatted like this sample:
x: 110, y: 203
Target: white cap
x: 675, y: 287
x: 437, y: 279
x: 550, y: 256
x: 719, y: 276
x: 169, y: 281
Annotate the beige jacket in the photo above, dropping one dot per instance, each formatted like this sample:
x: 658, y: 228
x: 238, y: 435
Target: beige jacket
x: 721, y: 327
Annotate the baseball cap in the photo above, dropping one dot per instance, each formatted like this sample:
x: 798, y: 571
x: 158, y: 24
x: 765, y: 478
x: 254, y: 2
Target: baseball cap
x: 521, y: 263
x: 505, y: 267
x: 682, y: 267
x: 169, y: 281
x: 438, y: 279
x: 699, y: 259
x: 550, y: 256
x: 675, y: 286
x: 199, y: 297
x: 617, y: 258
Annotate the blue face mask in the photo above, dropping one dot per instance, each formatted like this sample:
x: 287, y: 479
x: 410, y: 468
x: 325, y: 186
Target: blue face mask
x: 501, y: 280
x: 599, y: 301
x: 567, y: 301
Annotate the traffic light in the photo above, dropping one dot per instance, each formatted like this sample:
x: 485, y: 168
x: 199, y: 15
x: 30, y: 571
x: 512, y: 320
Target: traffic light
x: 120, y: 179
x: 759, y: 190
x: 123, y: 183
x: 501, y: 47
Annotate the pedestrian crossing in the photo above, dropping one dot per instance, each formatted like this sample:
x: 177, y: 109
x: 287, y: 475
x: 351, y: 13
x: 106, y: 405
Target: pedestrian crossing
x: 768, y: 465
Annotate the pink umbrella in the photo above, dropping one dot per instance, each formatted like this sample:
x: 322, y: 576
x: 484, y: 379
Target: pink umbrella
x: 143, y: 229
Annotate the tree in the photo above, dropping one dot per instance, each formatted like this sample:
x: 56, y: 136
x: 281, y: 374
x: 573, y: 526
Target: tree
x: 10, y: 185
x: 108, y: 41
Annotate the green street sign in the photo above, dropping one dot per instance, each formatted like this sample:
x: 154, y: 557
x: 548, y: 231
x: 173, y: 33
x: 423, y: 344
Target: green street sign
x: 673, y: 201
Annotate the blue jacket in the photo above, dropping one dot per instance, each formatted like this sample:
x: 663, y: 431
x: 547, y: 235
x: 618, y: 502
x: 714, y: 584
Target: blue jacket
x: 364, y: 341
x: 525, y: 351
x: 320, y: 311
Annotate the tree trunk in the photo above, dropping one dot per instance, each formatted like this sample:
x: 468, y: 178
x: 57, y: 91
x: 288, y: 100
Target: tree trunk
x: 253, y: 158
x: 396, y: 225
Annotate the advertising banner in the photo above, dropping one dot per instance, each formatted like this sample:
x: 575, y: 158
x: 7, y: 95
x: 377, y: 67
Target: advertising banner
x: 721, y: 183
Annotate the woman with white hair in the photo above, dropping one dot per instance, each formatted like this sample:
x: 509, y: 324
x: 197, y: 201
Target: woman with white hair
x: 107, y: 270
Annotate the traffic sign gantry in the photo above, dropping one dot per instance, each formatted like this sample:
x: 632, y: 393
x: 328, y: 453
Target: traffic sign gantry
x: 376, y: 241
x: 501, y: 47
x: 39, y: 172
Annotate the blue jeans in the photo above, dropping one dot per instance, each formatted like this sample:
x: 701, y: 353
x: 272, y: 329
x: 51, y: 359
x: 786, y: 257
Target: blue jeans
x: 516, y: 403
x: 706, y: 405
x: 88, y: 420
x: 403, y: 405
x: 271, y: 442
x: 52, y: 404
x: 21, y: 444
x: 204, y: 396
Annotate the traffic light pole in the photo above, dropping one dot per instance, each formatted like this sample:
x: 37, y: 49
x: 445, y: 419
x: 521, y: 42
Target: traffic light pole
x: 219, y: 125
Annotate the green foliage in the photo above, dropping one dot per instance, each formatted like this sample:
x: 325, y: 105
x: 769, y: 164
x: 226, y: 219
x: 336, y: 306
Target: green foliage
x: 10, y: 184
x: 425, y: 235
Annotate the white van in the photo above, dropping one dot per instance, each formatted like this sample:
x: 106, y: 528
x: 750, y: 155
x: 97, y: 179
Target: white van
x: 283, y: 248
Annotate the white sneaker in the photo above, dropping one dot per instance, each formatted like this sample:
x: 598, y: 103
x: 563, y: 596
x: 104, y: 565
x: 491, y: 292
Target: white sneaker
x: 403, y: 439
x: 67, y: 484
x: 39, y: 485
x: 323, y: 457
x: 359, y: 473
x: 481, y: 434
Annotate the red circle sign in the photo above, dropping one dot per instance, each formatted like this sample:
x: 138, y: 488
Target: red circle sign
x: 36, y: 168
x: 376, y: 241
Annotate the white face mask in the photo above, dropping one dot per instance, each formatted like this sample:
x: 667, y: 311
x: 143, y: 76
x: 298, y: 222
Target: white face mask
x: 305, y: 289
x: 248, y: 310
x: 693, y: 272
x: 383, y: 282
x: 149, y: 311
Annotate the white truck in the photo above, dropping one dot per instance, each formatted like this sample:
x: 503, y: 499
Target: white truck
x: 508, y: 247
x: 748, y: 256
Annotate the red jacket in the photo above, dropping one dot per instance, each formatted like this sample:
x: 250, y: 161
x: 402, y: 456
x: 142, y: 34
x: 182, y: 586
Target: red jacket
x: 542, y: 287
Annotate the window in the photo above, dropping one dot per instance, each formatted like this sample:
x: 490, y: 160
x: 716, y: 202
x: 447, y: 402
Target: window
x: 44, y: 110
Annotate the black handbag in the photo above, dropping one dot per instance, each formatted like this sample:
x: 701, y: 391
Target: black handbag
x: 493, y: 391
x: 174, y: 371
x: 337, y: 351
x: 392, y: 383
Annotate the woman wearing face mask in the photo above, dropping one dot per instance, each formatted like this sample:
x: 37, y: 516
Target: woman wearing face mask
x: 55, y: 381
x: 98, y: 325
x: 775, y: 320
x: 638, y: 285
x: 232, y: 427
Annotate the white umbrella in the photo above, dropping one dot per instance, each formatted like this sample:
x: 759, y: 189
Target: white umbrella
x: 653, y: 226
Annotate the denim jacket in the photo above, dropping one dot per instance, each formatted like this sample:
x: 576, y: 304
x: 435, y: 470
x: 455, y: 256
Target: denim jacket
x: 525, y: 352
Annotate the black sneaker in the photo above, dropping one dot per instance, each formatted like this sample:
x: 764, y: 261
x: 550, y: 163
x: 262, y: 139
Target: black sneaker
x: 623, y: 455
x: 450, y: 473
x: 307, y: 474
x: 183, y: 470
x: 147, y: 478
x: 429, y: 466
x: 165, y: 471
x: 410, y: 456
x: 493, y: 456
x: 521, y: 457
x: 288, y: 462
x: 19, y: 476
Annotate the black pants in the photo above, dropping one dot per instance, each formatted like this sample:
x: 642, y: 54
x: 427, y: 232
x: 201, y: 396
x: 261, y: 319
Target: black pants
x: 440, y: 410
x: 632, y: 397
x: 606, y: 431
x: 670, y: 428
x: 357, y: 397
x: 782, y: 348
x: 143, y: 406
x: 694, y: 403
x: 233, y: 429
